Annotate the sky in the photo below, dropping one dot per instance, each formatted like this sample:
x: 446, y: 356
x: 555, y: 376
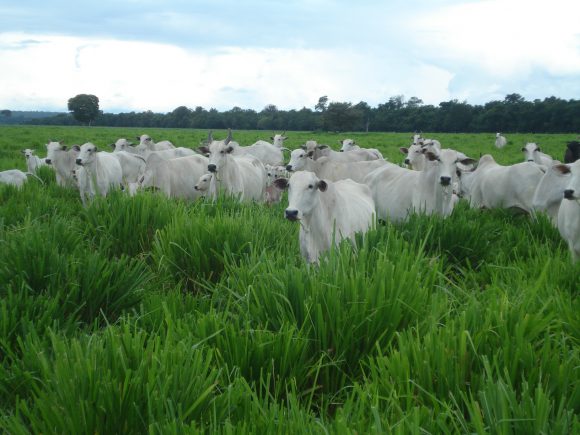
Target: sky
x: 138, y: 55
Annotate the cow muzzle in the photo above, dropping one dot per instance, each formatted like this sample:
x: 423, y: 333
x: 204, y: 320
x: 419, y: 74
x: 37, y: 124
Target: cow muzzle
x: 569, y: 194
x: 289, y: 168
x: 291, y: 215
x: 407, y: 161
x: 212, y: 168
x: 48, y: 161
x: 445, y: 181
x: 79, y: 162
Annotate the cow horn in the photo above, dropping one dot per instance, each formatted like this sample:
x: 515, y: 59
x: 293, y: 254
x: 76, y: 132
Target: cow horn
x: 229, y: 138
x: 209, y: 137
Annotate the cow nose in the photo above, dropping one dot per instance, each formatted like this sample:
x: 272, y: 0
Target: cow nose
x: 195, y: 187
x: 48, y: 161
x: 79, y: 162
x: 212, y: 168
x: 289, y: 168
x: 407, y: 161
x: 569, y: 194
x: 531, y: 160
x: 341, y: 151
x: 291, y: 215
x: 445, y: 181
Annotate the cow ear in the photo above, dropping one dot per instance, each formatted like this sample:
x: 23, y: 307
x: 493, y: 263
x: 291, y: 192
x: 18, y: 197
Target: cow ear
x: 303, y: 147
x: 23, y: 152
x: 281, y: 183
x: 76, y: 148
x: 203, y: 150
x: 229, y: 149
x: 538, y: 149
x: 562, y: 169
x: 284, y: 137
x: 467, y: 161
x: 96, y: 149
x: 523, y: 149
x: 113, y: 146
x: 321, y: 147
x: 310, y: 153
x: 431, y: 156
x: 63, y: 147
x: 271, y: 137
x: 404, y: 150
x: 322, y: 185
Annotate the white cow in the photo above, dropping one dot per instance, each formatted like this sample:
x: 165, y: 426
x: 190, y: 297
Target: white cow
x: 398, y: 191
x: 15, y: 177
x: 495, y: 186
x: 332, y: 170
x: 569, y: 213
x: 533, y: 153
x: 175, y: 177
x: 550, y: 192
x: 419, y: 140
x: 278, y: 140
x: 327, y: 211
x: 146, y: 143
x: 500, y: 141
x: 244, y: 177
x: 64, y: 162
x: 33, y: 162
x: 318, y: 150
x: 103, y: 171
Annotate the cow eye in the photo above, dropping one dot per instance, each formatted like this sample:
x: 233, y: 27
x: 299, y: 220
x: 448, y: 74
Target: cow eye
x: 221, y: 152
x: 310, y: 186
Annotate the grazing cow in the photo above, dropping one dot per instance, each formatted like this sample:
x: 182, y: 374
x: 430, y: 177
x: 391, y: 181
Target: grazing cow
x: 500, y: 141
x: 146, y: 143
x: 15, y: 177
x: 332, y: 170
x: 244, y: 177
x: 398, y: 191
x: 495, y: 186
x: 327, y: 211
x: 175, y: 177
x: 569, y: 213
x: 532, y: 153
x: 572, y: 152
x: 319, y: 150
x: 64, y: 162
x: 103, y: 171
x: 32, y: 162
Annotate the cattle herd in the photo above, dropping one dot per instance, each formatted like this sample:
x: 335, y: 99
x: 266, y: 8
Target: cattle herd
x: 333, y: 195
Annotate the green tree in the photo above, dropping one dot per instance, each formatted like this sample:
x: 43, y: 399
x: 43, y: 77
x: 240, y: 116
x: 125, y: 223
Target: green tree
x: 7, y: 113
x: 84, y: 107
x: 342, y: 116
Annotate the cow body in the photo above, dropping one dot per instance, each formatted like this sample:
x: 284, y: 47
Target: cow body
x: 102, y: 170
x: 63, y: 161
x: 500, y: 141
x: 569, y: 213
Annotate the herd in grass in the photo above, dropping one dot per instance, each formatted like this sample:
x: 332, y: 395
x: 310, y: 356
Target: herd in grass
x: 333, y: 194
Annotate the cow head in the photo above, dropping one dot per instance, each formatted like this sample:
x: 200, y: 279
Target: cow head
x: 219, y: 153
x: 572, y: 190
x: 27, y: 153
x: 347, y: 145
x: 52, y: 148
x: 529, y: 151
x: 447, y: 161
x: 121, y: 145
x: 415, y: 156
x: 144, y: 139
x: 87, y: 154
x: 203, y: 183
x: 278, y: 140
x: 298, y: 159
x: 303, y: 190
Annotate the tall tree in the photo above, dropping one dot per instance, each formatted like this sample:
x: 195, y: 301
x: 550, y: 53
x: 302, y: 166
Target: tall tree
x: 84, y: 107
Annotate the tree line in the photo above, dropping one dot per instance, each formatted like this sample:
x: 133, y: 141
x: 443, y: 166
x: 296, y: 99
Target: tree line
x: 512, y: 114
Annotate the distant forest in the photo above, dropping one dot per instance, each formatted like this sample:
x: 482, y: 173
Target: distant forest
x: 512, y: 114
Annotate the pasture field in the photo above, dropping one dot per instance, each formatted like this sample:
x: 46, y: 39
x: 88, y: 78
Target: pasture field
x: 150, y: 315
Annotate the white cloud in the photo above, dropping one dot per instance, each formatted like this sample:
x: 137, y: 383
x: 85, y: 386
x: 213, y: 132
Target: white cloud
x: 130, y: 75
